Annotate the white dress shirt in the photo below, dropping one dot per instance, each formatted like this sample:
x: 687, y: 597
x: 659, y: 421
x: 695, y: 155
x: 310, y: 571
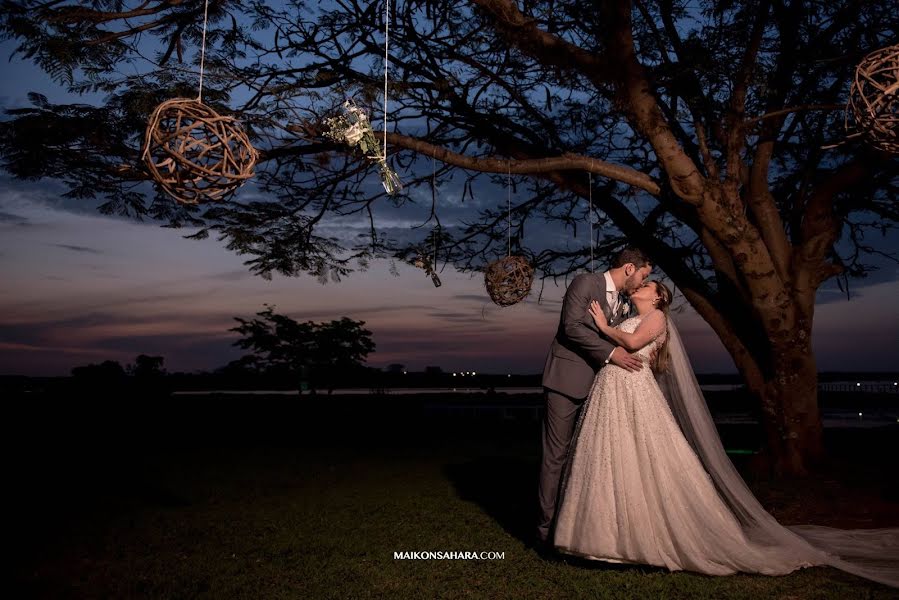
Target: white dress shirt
x: 612, y: 296
x: 613, y: 300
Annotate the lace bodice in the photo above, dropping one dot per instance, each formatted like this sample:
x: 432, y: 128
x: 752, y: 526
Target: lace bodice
x: 630, y: 325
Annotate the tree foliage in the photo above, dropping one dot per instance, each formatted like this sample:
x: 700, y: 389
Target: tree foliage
x: 482, y: 80
x: 318, y: 353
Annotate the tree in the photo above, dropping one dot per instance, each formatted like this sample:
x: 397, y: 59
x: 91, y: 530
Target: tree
x: 147, y: 367
x: 107, y: 377
x: 704, y: 124
x: 282, y: 347
x: 149, y: 376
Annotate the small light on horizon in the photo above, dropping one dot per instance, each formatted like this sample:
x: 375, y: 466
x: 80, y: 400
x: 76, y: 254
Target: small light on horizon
x: 454, y: 374
x: 404, y: 372
x: 858, y: 385
x: 859, y: 414
x: 473, y: 373
x: 509, y: 375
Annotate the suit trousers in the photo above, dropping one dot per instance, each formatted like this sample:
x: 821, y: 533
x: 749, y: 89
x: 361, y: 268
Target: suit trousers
x: 558, y: 426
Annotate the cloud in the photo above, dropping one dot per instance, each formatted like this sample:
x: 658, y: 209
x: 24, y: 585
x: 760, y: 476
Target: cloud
x: 14, y: 219
x: 235, y: 275
x: 451, y: 316
x: 471, y: 297
x: 74, y: 248
x: 361, y: 310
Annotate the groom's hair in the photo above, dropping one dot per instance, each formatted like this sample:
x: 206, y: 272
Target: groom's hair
x: 631, y: 255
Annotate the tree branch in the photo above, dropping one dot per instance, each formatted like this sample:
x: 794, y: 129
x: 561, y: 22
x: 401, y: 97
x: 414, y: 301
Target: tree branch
x: 737, y: 107
x: 642, y: 107
x: 567, y: 161
x: 794, y: 109
x: 73, y: 14
x: 549, y: 49
x: 819, y: 225
x: 764, y: 209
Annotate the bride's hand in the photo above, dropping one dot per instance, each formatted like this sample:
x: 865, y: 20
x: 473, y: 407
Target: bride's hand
x: 598, y: 317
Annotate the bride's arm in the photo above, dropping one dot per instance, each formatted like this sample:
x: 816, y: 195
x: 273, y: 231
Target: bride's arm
x: 648, y: 329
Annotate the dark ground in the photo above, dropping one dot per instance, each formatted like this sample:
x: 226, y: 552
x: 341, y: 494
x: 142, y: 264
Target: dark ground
x: 287, y: 497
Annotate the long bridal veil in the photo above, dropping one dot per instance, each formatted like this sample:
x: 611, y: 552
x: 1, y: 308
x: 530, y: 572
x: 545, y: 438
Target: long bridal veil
x: 869, y: 553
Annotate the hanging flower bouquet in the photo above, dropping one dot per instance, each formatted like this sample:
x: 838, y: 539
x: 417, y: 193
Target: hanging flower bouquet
x: 353, y: 129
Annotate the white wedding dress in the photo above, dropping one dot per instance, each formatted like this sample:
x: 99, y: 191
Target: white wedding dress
x: 636, y: 490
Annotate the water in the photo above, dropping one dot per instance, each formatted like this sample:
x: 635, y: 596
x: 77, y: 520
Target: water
x: 832, y: 418
x: 835, y: 386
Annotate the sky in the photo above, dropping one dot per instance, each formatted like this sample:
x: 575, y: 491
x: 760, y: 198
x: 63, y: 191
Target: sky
x: 80, y: 287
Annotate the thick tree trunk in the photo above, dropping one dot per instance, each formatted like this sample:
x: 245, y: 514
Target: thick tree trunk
x: 790, y: 415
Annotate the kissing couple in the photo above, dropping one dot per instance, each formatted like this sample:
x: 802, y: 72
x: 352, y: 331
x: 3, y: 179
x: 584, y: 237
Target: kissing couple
x: 632, y: 474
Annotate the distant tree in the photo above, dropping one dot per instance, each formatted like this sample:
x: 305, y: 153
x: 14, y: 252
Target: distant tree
x: 341, y: 348
x: 149, y: 377
x: 108, y: 370
x: 105, y: 378
x: 145, y: 377
x: 146, y: 367
x: 282, y: 347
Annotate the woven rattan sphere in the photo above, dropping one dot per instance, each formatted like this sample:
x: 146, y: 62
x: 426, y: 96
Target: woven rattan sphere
x: 874, y: 98
x: 195, y: 154
x: 508, y: 280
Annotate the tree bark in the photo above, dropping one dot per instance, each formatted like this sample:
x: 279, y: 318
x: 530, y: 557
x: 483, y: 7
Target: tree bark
x: 791, y: 419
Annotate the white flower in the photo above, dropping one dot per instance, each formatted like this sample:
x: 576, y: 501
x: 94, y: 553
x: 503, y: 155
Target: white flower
x: 354, y: 129
x: 354, y: 134
x: 355, y: 111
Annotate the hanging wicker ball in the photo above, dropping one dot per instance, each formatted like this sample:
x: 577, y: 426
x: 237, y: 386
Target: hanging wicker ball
x: 508, y: 280
x: 874, y: 98
x: 195, y: 154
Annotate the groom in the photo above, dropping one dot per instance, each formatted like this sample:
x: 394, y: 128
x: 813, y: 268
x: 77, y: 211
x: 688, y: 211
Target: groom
x: 578, y: 351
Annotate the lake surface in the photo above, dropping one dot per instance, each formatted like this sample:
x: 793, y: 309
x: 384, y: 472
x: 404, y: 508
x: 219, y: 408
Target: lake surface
x: 831, y: 386
x: 831, y: 418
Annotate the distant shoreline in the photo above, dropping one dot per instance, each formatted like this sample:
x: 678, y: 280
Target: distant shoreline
x: 847, y: 386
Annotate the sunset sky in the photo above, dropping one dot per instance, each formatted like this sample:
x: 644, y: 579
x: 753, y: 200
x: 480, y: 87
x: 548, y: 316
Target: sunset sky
x: 81, y: 287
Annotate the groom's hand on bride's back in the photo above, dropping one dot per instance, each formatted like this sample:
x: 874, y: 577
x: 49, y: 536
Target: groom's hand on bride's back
x: 625, y: 359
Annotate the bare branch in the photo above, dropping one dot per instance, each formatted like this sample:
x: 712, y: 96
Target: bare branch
x: 567, y: 161
x: 794, y: 109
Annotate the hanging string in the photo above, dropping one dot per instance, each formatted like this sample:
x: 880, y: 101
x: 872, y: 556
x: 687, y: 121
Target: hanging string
x: 434, y: 203
x: 386, y: 64
x: 590, y: 196
x: 203, y: 50
x: 509, y: 187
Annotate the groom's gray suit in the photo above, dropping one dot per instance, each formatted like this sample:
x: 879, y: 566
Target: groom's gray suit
x: 578, y: 351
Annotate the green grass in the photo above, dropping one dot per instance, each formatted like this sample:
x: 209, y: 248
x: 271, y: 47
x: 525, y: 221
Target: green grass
x: 324, y: 523
x: 281, y: 498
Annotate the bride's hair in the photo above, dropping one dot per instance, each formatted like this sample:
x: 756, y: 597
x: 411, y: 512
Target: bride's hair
x: 662, y: 357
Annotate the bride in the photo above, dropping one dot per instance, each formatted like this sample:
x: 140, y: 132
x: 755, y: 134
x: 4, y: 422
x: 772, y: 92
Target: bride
x: 649, y: 482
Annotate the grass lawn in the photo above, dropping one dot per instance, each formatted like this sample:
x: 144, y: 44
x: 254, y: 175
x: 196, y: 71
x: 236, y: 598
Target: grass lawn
x: 268, y: 498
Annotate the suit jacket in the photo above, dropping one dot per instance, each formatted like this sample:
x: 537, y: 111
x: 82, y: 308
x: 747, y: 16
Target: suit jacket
x: 579, y: 349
